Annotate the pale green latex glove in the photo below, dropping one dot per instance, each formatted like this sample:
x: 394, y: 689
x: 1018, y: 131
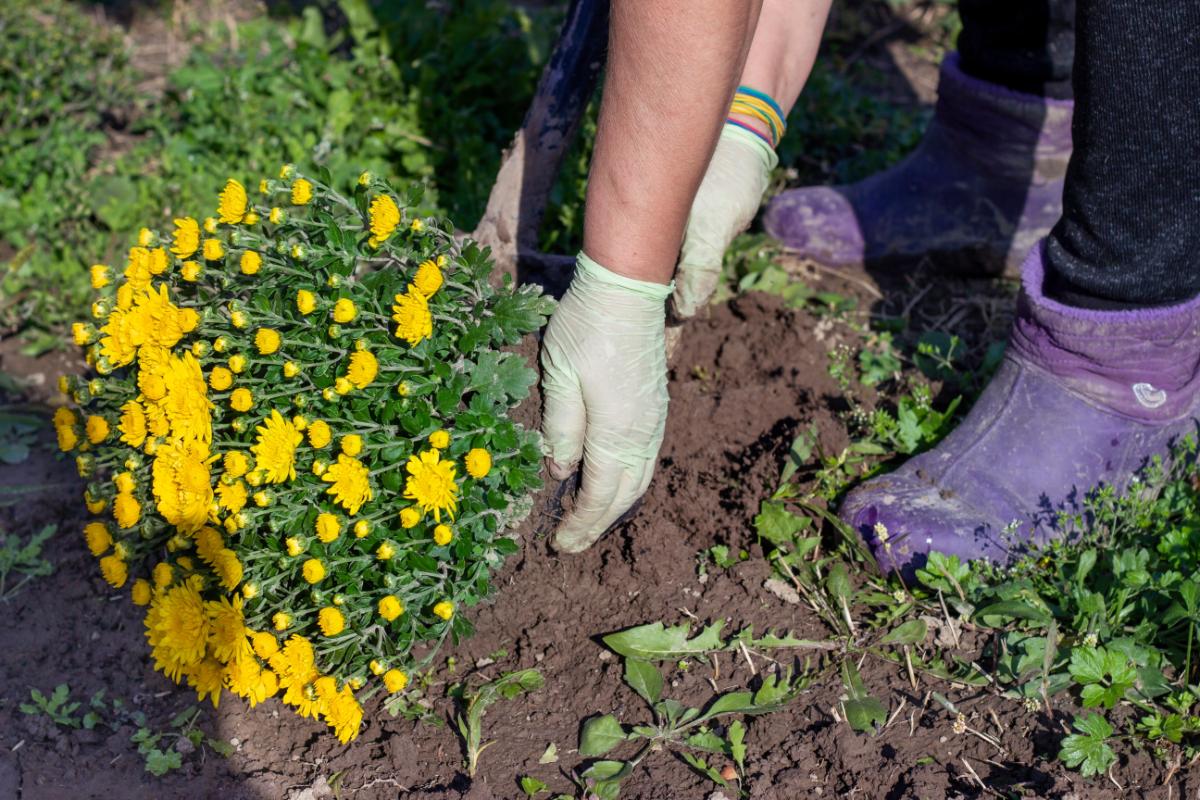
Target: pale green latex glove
x: 604, y: 382
x: 725, y: 206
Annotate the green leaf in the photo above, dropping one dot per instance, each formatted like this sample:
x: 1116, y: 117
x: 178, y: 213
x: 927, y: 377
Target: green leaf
x: 532, y: 787
x: 863, y: 712
x: 737, y: 743
x: 998, y: 614
x: 656, y: 642
x: 599, y: 735
x: 645, y: 679
x: 911, y: 632
x: 778, y: 525
x: 1088, y: 750
x: 159, y: 763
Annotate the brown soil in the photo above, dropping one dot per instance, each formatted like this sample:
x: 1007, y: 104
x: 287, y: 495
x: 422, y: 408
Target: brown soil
x: 746, y: 379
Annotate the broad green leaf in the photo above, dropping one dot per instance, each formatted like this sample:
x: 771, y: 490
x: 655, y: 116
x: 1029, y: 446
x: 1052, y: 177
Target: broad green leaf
x: 644, y: 678
x: 737, y: 743
x: 1005, y: 611
x: 600, y: 734
x: 778, y: 525
x: 656, y: 642
x: 532, y: 787
x: 911, y: 632
x: 1088, y: 750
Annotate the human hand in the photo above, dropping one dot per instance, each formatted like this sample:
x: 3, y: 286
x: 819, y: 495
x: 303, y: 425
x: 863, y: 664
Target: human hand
x: 725, y: 205
x: 604, y: 380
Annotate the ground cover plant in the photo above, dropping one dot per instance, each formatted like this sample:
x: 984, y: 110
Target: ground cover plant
x: 297, y: 443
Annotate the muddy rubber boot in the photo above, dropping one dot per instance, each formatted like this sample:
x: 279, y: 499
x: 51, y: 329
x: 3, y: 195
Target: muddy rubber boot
x: 1082, y: 398
x: 982, y: 187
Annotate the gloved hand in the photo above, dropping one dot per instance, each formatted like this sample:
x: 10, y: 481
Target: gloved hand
x: 604, y: 379
x: 725, y: 206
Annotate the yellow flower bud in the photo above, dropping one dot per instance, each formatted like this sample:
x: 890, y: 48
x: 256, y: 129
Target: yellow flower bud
x: 362, y: 528
x: 442, y: 534
x: 281, y: 621
x: 220, y: 344
x: 238, y: 319
x: 190, y: 271
x: 439, y: 439
x: 241, y: 399
x: 444, y: 609
x: 409, y: 517
x: 344, y: 310
x: 294, y: 546
x: 385, y: 551
x: 277, y: 216
x: 352, y: 444
x: 101, y: 276
x: 313, y: 570
x: 328, y: 527
x: 214, y: 250
x: 306, y: 301
x: 290, y: 369
x: 250, y: 263
x: 262, y: 499
x: 390, y: 607
x: 394, y: 680
x: 237, y: 363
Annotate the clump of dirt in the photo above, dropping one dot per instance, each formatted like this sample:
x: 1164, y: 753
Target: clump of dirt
x: 746, y: 378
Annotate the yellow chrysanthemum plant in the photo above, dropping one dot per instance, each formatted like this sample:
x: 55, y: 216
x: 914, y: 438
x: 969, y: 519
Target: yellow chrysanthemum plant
x: 297, y: 439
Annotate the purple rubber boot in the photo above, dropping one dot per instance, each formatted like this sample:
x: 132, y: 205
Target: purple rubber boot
x: 982, y: 188
x: 1082, y: 398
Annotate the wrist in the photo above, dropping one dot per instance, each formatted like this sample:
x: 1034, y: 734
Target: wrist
x: 591, y: 275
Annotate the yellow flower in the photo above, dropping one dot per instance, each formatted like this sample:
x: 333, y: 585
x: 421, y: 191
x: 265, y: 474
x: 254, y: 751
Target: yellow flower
x: 210, y: 224
x: 262, y: 499
x: 265, y: 645
x: 237, y: 363
x: 411, y: 313
x: 385, y: 216
x: 363, y: 368
x: 126, y: 510
x: 182, y: 483
x: 286, y: 171
x: 114, y: 571
x: 313, y: 570
x: 390, y: 607
x: 140, y: 593
x: 362, y: 528
x: 352, y: 444
x: 328, y: 528
x: 124, y: 482
x: 228, y: 569
x: 277, y: 216
x: 394, y: 681
x: 190, y: 271
x: 343, y: 714
x: 442, y: 534
x: 300, y: 422
x: 385, y: 551
x: 478, y: 462
x: 145, y: 237
x: 343, y: 386
x: 97, y: 537
x: 306, y: 301
x: 376, y: 668
x: 228, y: 638
x: 235, y: 463
x: 431, y: 484
x: 81, y: 333
x: 294, y: 546
x: 280, y: 621
x: 162, y: 575
x: 290, y: 369
x: 94, y: 506
x: 275, y: 451
x: 232, y: 206
x: 97, y: 429
x: 444, y: 609
x: 319, y: 434
x: 331, y: 621
x: 238, y: 319
x: 428, y: 278
x: 344, y: 311
x: 158, y: 261
x: 351, y: 487
x: 301, y: 192
x: 214, y: 250
x: 101, y: 276
x: 439, y: 439
x: 220, y: 379
x: 177, y: 627
x: 250, y: 262
x: 417, y: 226
x: 186, y: 237
x: 206, y: 678
x: 220, y: 344
x: 241, y: 399
x: 364, y: 178
x: 251, y: 218
x: 267, y: 340
x: 232, y: 496
x: 208, y: 543
x: 64, y: 425
x: 409, y: 517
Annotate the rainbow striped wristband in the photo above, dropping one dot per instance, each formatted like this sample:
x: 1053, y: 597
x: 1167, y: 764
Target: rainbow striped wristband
x: 759, y: 105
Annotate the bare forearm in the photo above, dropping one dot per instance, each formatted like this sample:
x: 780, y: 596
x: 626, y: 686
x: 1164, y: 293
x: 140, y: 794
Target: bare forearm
x: 784, y: 48
x: 673, y: 66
